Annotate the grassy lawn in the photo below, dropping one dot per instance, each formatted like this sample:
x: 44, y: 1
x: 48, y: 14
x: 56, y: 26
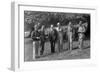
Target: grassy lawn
x: 65, y: 54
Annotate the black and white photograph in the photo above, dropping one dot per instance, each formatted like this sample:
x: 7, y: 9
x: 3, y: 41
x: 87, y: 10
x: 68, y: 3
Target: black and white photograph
x: 56, y: 36
x: 53, y: 36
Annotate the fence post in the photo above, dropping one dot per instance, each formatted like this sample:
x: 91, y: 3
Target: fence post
x: 34, y: 50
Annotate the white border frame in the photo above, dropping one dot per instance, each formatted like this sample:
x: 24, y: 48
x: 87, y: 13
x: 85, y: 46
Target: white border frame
x: 17, y: 59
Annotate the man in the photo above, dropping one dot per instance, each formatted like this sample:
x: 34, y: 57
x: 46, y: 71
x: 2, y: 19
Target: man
x: 52, y: 39
x: 42, y: 39
x: 69, y: 32
x: 81, y: 30
x: 35, y: 33
x: 60, y: 37
x: 36, y: 27
x: 36, y: 37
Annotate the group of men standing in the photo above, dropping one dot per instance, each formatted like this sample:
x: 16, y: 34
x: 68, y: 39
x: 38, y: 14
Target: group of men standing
x: 56, y: 34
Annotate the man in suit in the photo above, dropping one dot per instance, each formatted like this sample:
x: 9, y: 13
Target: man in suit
x: 81, y: 31
x: 52, y: 39
x: 60, y: 37
x: 42, y: 39
x: 69, y: 32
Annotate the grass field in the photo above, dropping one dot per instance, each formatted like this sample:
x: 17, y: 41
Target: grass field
x: 65, y: 54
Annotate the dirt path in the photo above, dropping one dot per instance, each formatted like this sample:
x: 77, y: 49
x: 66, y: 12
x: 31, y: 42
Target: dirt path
x: 65, y: 54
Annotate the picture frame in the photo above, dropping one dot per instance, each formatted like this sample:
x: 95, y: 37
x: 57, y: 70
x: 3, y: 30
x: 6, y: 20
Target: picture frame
x: 17, y: 35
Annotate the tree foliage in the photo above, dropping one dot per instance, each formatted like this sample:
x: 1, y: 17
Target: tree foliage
x: 31, y: 18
